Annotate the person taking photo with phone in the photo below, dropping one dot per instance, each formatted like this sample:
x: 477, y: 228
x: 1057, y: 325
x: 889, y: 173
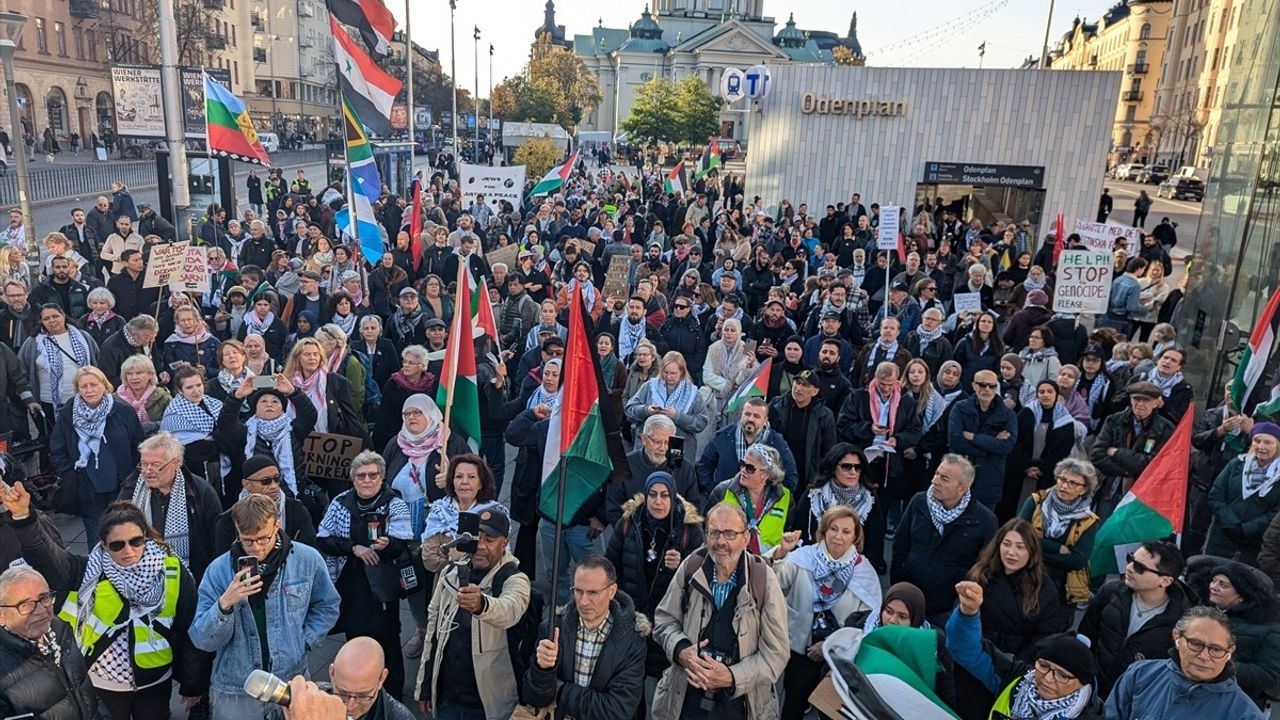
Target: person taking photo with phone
x: 262, y: 605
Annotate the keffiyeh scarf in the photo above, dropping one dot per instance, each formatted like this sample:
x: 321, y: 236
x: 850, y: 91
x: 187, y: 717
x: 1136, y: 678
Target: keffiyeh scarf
x: 406, y: 323
x: 91, y: 427
x: 1031, y: 284
x: 1166, y: 385
x: 190, y: 422
x: 53, y: 356
x: 1028, y: 704
x: 1258, y: 480
x: 1058, y: 416
x: 337, y: 521
x: 1058, y: 515
x: 176, y: 531
x: 831, y: 576
x: 141, y: 584
x: 346, y: 322
x: 277, y: 434
x: 941, y: 516
x: 885, y: 352
x: 679, y: 398
x: 258, y: 326
x: 442, y: 516
x: 629, y: 336
x: 230, y: 382
x: 927, y: 336
x: 833, y: 493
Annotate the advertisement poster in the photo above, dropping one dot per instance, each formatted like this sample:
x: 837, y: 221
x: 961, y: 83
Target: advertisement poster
x: 193, y: 119
x: 139, y: 101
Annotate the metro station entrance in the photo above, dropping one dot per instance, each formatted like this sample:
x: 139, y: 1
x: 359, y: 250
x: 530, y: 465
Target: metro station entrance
x: 990, y: 193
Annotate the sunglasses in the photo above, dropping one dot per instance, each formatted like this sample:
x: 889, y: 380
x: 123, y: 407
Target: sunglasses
x: 269, y: 480
x: 1142, y: 569
x: 985, y: 386
x: 681, y: 306
x: 850, y: 467
x: 133, y: 542
x: 748, y: 466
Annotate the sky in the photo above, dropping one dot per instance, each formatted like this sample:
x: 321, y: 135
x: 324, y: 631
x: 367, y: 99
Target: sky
x: 933, y: 33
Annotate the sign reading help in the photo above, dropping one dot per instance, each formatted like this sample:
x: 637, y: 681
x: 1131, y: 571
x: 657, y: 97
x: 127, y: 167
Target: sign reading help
x: 165, y: 264
x: 194, y: 274
x: 328, y: 457
x: 1084, y: 281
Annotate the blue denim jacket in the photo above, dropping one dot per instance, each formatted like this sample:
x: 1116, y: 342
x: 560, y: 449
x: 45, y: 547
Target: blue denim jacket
x: 302, y: 606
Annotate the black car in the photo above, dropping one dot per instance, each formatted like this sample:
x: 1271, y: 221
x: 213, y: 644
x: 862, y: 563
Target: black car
x: 1182, y: 187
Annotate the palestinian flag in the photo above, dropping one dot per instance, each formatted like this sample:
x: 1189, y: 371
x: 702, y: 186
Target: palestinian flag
x: 1153, y: 509
x: 709, y: 161
x: 887, y: 674
x: 577, y: 450
x: 482, y: 311
x: 675, y: 181
x: 229, y: 128
x: 1253, y: 363
x: 459, y: 395
x: 555, y: 178
x: 755, y: 386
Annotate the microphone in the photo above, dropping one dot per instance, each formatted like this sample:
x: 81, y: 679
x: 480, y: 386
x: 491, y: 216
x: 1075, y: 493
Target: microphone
x: 262, y: 685
x: 461, y: 539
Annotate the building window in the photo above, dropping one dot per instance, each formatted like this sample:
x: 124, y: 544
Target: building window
x: 235, y: 73
x: 60, y: 38
x: 233, y: 36
x: 90, y: 38
x: 1131, y: 112
x: 77, y: 37
x: 42, y: 41
x: 1145, y: 33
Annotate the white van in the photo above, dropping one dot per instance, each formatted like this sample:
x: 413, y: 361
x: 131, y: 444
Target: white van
x: 270, y: 141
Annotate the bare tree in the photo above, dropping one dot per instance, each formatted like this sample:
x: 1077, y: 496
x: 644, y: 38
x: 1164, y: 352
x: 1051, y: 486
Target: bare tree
x: 1178, y: 132
x: 197, y: 29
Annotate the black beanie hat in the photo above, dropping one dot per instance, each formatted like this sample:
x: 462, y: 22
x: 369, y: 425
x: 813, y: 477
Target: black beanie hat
x: 1068, y: 652
x: 257, y: 463
x: 259, y: 394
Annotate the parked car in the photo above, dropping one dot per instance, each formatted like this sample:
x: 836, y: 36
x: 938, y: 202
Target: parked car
x: 729, y: 149
x: 1153, y: 175
x: 1181, y: 187
x: 1129, y: 171
x: 270, y: 141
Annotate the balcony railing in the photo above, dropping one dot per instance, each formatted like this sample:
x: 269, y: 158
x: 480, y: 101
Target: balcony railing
x: 216, y: 42
x: 1132, y: 96
x: 84, y: 9
x: 1139, y: 69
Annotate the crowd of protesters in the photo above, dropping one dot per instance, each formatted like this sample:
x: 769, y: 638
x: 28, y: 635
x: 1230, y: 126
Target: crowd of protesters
x: 908, y: 470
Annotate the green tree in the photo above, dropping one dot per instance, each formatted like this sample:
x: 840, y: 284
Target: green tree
x: 697, y: 111
x: 570, y: 86
x: 654, y: 117
x: 537, y: 155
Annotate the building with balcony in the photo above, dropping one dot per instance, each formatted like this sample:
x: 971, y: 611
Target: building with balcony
x: 294, y: 79
x: 1128, y: 39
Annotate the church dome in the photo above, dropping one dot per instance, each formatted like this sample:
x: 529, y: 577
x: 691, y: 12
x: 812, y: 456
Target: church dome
x: 790, y: 36
x: 646, y: 35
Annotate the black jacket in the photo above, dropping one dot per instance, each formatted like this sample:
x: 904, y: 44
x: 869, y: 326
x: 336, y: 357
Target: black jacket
x: 529, y: 434
x: 935, y: 563
x: 77, y: 305
x: 231, y: 435
x: 203, y: 508
x: 617, y: 682
x: 32, y: 683
x: 154, y: 224
x: 621, y: 491
x: 854, y: 425
x: 115, y: 350
x: 1011, y: 630
x: 934, y: 354
x: 1058, y: 443
x: 1106, y: 624
x: 1134, y: 451
x: 132, y: 299
x: 819, y: 438
x: 384, y: 361
x: 684, y: 335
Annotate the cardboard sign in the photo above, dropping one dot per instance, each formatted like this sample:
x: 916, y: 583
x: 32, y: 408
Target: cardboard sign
x: 194, y: 274
x: 1084, y: 281
x: 165, y: 264
x: 510, y: 255
x: 328, y: 457
x: 967, y: 302
x: 1102, y: 236
x: 887, y: 234
x: 617, y: 277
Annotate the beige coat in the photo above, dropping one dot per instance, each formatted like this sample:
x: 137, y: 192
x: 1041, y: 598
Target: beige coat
x: 491, y: 659
x: 762, y: 633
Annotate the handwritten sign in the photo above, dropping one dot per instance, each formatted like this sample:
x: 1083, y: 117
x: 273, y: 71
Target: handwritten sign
x: 617, y: 278
x: 508, y: 255
x: 887, y: 235
x: 1102, y: 236
x: 1084, y: 281
x: 194, y: 275
x: 328, y: 457
x: 968, y: 302
x: 165, y: 264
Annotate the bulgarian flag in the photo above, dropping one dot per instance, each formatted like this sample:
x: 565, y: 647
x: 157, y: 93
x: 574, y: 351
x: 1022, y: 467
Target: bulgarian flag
x: 1154, y: 507
x: 555, y: 178
x: 709, y: 161
x: 229, y: 129
x: 482, y: 311
x: 577, y: 451
x: 1253, y: 363
x: 459, y: 395
x: 675, y: 180
x: 755, y: 386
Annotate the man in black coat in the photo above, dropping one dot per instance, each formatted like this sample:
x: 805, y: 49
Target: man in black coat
x: 806, y: 423
x: 651, y: 456
x: 35, y: 680
x: 136, y: 338
x: 19, y: 317
x: 83, y: 238
x: 132, y: 299
x: 833, y: 385
x: 681, y: 332
x: 62, y: 290
x: 101, y: 220
x: 1105, y: 203
x: 149, y: 223
x: 1127, y: 442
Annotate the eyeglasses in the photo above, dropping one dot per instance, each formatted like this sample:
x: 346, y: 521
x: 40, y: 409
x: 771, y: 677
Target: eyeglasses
x: 1141, y: 568
x: 589, y: 594
x: 148, y: 468
x: 850, y: 467
x: 1044, y: 667
x: 26, y: 607
x: 744, y: 465
x: 985, y: 386
x: 264, y: 482
x: 264, y: 541
x: 1064, y: 480
x: 367, y: 475
x: 133, y: 542
x: 411, y: 413
x: 358, y: 699
x: 1199, y: 646
x: 681, y: 306
x: 729, y: 535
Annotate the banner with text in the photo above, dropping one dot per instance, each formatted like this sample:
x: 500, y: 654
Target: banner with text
x: 193, y: 103
x: 165, y: 264
x: 495, y: 183
x: 1102, y: 236
x: 1083, y: 281
x: 139, y: 101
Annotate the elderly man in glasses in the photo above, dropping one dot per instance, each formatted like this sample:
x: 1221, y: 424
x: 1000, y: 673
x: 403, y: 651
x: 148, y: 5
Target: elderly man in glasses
x: 42, y: 673
x: 261, y: 476
x: 1133, y: 618
x: 1199, y: 681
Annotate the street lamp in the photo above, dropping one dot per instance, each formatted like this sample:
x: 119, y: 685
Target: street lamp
x: 453, y: 72
x: 11, y: 25
x: 475, y: 151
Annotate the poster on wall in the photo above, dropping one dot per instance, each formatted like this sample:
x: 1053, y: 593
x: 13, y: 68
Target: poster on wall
x: 193, y: 111
x: 139, y: 101
x: 495, y: 183
x: 399, y: 116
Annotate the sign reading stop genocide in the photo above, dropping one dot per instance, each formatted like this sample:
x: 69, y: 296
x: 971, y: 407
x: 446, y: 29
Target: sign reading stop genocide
x: 1083, y: 282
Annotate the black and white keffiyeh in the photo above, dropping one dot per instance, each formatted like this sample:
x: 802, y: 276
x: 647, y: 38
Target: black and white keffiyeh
x: 346, y: 322
x: 176, y: 530
x: 1258, y: 480
x: 833, y: 493
x: 1028, y: 704
x: 680, y: 398
x: 141, y: 584
x: 339, y: 522
x: 629, y: 337
x: 941, y: 516
x: 278, y: 435
x: 831, y: 576
x: 230, y: 382
x: 53, y: 356
x: 91, y: 427
x: 1058, y: 515
x: 1058, y: 416
x: 190, y: 422
x: 255, y: 325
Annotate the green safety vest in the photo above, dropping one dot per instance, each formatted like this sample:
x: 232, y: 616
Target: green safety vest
x: 151, y: 650
x: 1002, y: 710
x: 771, y: 526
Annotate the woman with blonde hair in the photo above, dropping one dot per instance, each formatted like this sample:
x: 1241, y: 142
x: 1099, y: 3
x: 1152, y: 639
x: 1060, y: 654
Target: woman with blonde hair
x: 141, y: 393
x: 329, y: 392
x: 673, y: 394
x: 644, y: 367
x: 333, y: 340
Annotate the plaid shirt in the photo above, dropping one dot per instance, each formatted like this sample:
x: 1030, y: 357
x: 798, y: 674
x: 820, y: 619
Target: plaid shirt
x: 587, y: 649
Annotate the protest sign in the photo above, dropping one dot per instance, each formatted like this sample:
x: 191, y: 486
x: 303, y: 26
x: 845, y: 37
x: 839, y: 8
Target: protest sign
x: 967, y: 302
x: 509, y: 255
x: 495, y: 183
x: 617, y: 278
x: 1083, y: 281
x: 887, y: 234
x: 1102, y: 236
x: 165, y: 263
x: 328, y: 457
x: 194, y: 274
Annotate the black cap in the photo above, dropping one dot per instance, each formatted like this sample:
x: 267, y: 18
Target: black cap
x: 1095, y: 351
x: 775, y: 301
x: 831, y: 314
x: 804, y: 377
x: 1069, y: 653
x: 495, y: 523
x: 899, y: 286
x: 257, y: 463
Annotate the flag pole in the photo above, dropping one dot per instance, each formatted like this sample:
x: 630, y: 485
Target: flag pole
x: 451, y: 371
x: 408, y: 51
x: 564, y: 481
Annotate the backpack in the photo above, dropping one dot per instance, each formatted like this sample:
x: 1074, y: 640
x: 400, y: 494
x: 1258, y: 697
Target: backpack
x: 522, y: 638
x: 757, y: 584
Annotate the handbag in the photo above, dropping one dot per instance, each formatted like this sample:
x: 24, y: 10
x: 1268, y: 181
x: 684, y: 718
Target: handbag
x: 524, y: 712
